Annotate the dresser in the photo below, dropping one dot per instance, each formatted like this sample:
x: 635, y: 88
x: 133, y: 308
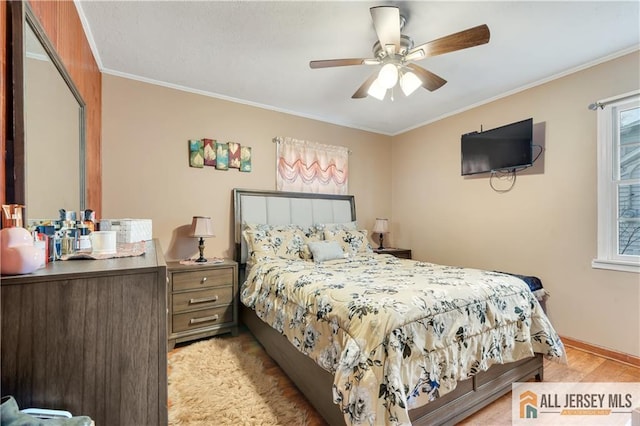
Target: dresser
x: 203, y: 300
x: 89, y: 337
x: 397, y: 252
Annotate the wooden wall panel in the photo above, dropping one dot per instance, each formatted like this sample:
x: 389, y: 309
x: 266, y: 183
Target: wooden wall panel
x: 61, y: 22
x: 3, y: 96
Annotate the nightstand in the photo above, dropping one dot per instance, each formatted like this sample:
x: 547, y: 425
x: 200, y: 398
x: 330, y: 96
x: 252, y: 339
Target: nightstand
x: 397, y: 252
x: 203, y: 300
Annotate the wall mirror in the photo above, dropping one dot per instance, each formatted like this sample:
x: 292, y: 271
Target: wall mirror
x: 49, y: 121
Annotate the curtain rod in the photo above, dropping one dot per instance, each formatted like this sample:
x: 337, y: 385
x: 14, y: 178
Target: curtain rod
x: 604, y: 102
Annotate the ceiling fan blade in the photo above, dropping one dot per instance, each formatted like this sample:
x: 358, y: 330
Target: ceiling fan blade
x: 461, y: 40
x: 362, y: 90
x: 327, y: 63
x: 430, y: 81
x: 386, y: 22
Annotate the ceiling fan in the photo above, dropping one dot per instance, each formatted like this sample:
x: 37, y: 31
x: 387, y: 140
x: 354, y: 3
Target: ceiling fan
x: 396, y: 53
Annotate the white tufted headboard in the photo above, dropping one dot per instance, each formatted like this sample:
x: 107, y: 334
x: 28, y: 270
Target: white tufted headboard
x: 280, y: 208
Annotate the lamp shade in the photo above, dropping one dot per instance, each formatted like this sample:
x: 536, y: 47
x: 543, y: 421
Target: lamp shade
x: 202, y: 227
x: 388, y: 75
x: 376, y: 90
x: 381, y: 226
x: 409, y: 82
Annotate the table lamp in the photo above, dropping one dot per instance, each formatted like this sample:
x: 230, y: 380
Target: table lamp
x: 381, y: 227
x: 201, y: 227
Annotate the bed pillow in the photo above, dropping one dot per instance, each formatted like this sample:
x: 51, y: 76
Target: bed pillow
x: 258, y: 244
x: 321, y: 227
x: 310, y: 235
x: 326, y: 250
x: 287, y: 243
x: 351, y: 241
x: 268, y: 227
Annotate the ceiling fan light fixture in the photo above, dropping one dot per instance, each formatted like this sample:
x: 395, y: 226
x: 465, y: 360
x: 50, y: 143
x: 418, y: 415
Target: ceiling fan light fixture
x: 415, y: 55
x: 395, y: 52
x: 409, y: 83
x: 388, y: 76
x: 377, y: 90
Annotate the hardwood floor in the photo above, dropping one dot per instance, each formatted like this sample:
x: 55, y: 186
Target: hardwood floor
x: 582, y: 367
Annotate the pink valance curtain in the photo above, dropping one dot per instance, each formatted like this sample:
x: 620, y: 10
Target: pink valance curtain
x: 304, y: 166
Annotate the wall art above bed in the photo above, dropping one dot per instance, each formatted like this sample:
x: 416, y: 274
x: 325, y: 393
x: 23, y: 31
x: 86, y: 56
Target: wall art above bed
x: 303, y: 166
x: 221, y: 156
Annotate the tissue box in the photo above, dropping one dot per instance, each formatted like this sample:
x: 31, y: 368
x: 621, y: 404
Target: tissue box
x: 128, y: 230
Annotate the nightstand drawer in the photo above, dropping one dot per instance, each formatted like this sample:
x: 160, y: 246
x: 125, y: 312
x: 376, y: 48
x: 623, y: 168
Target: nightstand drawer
x: 205, y: 318
x: 202, y: 298
x: 202, y: 278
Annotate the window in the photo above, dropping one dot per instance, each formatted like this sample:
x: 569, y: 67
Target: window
x: 619, y: 183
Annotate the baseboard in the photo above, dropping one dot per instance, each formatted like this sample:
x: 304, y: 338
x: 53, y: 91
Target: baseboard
x: 603, y: 352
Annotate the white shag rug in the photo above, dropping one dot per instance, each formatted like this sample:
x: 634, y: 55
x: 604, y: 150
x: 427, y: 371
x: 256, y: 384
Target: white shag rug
x: 215, y: 382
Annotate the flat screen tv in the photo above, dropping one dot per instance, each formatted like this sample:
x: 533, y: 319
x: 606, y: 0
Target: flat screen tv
x: 501, y: 149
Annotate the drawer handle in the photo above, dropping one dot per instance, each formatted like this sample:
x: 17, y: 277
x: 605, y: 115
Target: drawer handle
x: 203, y: 319
x: 203, y: 300
x: 203, y: 280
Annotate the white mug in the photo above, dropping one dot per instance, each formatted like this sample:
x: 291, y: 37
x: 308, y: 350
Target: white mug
x: 103, y: 242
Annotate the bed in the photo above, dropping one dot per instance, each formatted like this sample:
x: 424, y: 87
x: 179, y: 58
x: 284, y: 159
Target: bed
x: 372, y: 339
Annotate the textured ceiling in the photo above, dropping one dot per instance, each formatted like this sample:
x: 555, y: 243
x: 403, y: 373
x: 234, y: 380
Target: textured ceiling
x: 258, y: 52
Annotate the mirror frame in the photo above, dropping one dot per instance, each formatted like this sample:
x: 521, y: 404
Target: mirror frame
x: 21, y: 15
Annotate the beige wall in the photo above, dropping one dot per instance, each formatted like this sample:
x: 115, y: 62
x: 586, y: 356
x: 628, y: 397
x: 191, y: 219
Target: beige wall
x: 146, y: 171
x: 546, y: 225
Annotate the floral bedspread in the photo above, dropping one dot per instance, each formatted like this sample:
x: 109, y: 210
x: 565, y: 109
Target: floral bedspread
x: 398, y: 333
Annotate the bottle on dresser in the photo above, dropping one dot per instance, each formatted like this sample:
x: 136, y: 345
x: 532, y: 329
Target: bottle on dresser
x: 68, y: 232
x: 89, y: 219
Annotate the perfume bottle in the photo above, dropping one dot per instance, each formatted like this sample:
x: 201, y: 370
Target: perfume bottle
x: 83, y: 243
x: 57, y: 245
x: 89, y: 220
x: 68, y: 243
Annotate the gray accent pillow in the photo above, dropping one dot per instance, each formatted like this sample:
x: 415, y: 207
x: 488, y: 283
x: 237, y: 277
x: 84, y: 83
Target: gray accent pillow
x: 325, y: 250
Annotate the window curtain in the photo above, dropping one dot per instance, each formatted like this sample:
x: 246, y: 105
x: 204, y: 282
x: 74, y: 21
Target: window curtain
x: 304, y: 166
